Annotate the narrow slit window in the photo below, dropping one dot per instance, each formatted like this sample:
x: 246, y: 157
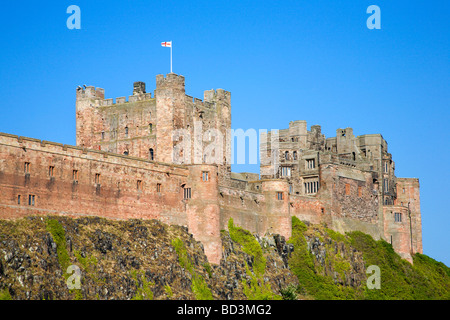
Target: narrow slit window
x: 150, y: 128
x: 280, y: 195
x: 75, y: 175
x: 139, y: 185
x: 50, y: 171
x: 18, y: 199
x: 126, y: 131
x: 27, y: 167
x: 97, y: 178
x: 151, y: 154
x: 158, y: 187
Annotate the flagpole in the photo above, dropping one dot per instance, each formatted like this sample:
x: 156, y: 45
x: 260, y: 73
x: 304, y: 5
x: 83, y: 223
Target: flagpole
x: 171, y: 44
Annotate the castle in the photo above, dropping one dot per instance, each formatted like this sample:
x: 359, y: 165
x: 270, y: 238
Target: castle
x: 151, y: 158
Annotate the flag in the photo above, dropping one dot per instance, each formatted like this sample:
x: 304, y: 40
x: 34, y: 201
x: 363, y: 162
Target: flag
x: 166, y: 44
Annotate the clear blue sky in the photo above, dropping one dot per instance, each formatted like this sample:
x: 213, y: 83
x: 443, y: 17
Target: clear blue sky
x: 282, y: 60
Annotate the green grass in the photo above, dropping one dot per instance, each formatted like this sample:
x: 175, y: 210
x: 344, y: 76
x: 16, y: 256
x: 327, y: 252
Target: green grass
x: 257, y: 289
x: 144, y: 291
x: 5, y: 295
x: 199, y: 286
x: 249, y: 245
x: 55, y: 228
x: 400, y: 280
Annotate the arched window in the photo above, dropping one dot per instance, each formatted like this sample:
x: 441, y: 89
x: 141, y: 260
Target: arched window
x: 126, y: 152
x: 152, y: 154
x: 295, y: 155
x: 286, y: 155
x: 126, y: 131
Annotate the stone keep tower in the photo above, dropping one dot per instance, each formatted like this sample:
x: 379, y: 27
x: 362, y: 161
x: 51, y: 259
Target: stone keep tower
x: 171, y: 127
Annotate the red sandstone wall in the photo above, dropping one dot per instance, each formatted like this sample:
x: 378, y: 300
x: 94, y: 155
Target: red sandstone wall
x: 244, y: 207
x: 408, y: 191
x: 202, y: 209
x: 307, y: 209
x: 398, y: 233
x: 117, y: 195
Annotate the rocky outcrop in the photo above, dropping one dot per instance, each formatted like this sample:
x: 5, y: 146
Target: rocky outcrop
x: 125, y: 260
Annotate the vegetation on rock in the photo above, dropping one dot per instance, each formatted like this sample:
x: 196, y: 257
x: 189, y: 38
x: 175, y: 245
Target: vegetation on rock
x: 147, y: 259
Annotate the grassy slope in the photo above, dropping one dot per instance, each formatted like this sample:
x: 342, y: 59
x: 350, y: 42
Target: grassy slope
x: 425, y: 279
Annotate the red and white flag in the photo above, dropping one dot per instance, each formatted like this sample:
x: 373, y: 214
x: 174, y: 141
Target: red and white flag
x: 166, y: 44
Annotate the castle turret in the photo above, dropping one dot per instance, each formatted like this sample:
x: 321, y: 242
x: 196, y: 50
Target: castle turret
x: 276, y: 193
x: 202, y: 208
x: 87, y: 116
x: 221, y: 101
x: 170, y: 97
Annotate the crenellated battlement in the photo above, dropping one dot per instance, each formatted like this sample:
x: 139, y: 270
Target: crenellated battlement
x: 217, y: 95
x: 171, y: 80
x: 90, y: 92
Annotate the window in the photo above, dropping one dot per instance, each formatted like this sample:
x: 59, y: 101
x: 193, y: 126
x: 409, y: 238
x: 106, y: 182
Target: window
x: 385, y: 167
x: 403, y: 191
x: 286, y: 155
x: 139, y: 185
x: 158, y: 187
x: 31, y: 199
x: 151, y: 154
x: 295, y: 155
x: 18, y: 199
x: 347, y: 189
x: 103, y: 135
x: 50, y: 171
x: 397, y: 217
x: 285, y: 171
x: 385, y: 185
x: 187, y: 193
x: 27, y: 167
x: 205, y: 176
x: 126, y: 152
x: 280, y: 195
x: 310, y: 163
x: 126, y: 131
x: 311, y: 187
x: 75, y: 175
x: 150, y: 128
x: 290, y: 188
x: 97, y: 178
